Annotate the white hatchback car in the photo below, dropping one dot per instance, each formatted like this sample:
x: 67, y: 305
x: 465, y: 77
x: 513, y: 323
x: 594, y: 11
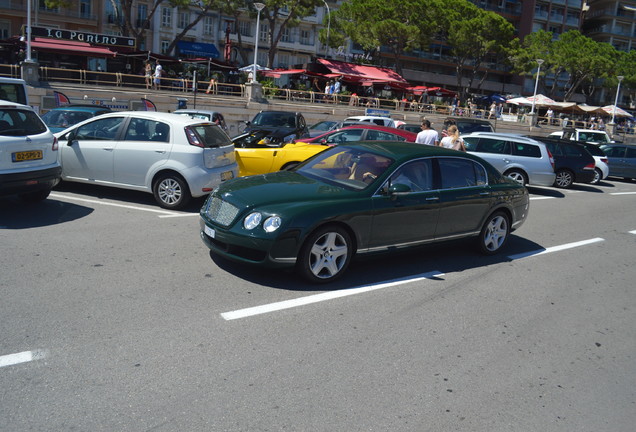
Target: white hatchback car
x: 29, y: 156
x: 523, y: 159
x: 174, y: 157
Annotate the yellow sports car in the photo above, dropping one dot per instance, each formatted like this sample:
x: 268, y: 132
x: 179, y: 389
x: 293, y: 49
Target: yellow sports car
x: 256, y: 155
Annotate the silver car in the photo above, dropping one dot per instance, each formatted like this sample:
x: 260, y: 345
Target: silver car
x: 174, y: 157
x: 622, y: 160
x: 523, y: 159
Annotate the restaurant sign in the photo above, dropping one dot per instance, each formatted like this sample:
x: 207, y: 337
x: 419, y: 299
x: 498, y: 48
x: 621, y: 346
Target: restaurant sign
x: 80, y: 36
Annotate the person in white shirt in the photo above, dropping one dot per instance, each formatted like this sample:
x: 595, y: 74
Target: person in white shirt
x: 453, y: 140
x: 427, y: 136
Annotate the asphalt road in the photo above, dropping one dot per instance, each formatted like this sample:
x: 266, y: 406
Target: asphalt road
x: 114, y: 317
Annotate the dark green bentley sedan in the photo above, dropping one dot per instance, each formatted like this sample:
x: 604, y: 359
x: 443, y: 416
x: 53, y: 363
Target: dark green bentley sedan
x: 359, y: 199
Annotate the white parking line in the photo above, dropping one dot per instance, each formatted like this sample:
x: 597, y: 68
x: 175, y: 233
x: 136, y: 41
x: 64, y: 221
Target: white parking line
x: 22, y: 357
x: 163, y: 212
x: 288, y: 304
x: 556, y: 248
x: 540, y: 198
x: 632, y: 232
x: 622, y: 193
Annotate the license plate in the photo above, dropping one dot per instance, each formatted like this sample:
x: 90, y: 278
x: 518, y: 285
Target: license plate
x: 209, y: 231
x: 227, y: 175
x: 26, y: 155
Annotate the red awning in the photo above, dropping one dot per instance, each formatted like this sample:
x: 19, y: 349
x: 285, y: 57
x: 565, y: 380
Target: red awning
x: 277, y: 73
x: 361, y: 72
x: 70, y: 46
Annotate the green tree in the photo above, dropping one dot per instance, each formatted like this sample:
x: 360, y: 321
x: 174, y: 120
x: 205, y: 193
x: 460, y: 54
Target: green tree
x: 476, y: 36
x: 400, y: 26
x: 280, y: 16
x: 625, y: 68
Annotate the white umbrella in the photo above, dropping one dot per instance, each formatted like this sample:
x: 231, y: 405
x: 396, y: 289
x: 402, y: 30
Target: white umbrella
x: 541, y: 100
x: 609, y: 109
x: 250, y: 68
x: 519, y: 101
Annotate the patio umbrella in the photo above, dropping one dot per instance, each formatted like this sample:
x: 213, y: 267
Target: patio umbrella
x: 250, y: 68
x: 519, y: 101
x: 541, y: 100
x: 609, y: 110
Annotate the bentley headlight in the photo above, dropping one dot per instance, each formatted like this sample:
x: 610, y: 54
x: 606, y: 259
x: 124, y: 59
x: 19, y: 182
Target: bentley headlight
x: 252, y: 220
x: 271, y: 224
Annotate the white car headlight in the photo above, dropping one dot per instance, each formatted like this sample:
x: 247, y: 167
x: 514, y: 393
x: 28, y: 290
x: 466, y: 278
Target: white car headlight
x: 252, y: 220
x: 271, y: 224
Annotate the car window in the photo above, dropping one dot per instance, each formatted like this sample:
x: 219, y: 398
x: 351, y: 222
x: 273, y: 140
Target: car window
x: 572, y: 150
x: 630, y: 153
x: 16, y: 122
x: 526, y: 149
x: 417, y: 175
x: 492, y: 145
x: 614, y: 151
x: 459, y: 173
x: 210, y: 135
x: 345, y: 136
x: 147, y: 130
x: 374, y: 135
x: 594, y: 150
x: 100, y: 129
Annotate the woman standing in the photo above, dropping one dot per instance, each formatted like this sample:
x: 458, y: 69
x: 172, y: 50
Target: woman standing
x: 148, y: 74
x: 453, y: 140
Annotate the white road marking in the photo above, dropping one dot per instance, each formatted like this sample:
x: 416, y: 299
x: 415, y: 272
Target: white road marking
x: 164, y: 212
x: 556, y: 248
x: 22, y: 357
x: 622, y: 193
x: 540, y: 198
x: 302, y: 301
x: 179, y: 215
x: 633, y: 232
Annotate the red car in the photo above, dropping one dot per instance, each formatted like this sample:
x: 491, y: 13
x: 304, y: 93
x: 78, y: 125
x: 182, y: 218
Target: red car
x: 361, y: 133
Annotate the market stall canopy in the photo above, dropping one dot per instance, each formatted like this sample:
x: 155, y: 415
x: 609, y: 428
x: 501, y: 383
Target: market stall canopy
x: 67, y: 46
x: 368, y: 74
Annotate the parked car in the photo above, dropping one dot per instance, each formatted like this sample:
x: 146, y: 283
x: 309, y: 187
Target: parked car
x: 378, y: 120
x: 256, y: 154
x: 587, y: 135
x: 14, y: 90
x: 358, y: 199
x: 601, y: 169
x: 174, y: 157
x: 282, y: 126
x: 29, y: 157
x: 523, y: 159
x: 362, y: 132
x: 321, y: 127
x: 622, y: 160
x: 211, y: 116
x: 467, y: 125
x: 63, y: 117
x: 572, y: 163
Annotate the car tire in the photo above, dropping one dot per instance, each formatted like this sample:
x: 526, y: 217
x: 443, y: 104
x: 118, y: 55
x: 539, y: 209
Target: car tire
x: 171, y: 191
x: 494, y: 234
x: 564, y: 179
x: 325, y: 255
x: 36, y: 196
x: 598, y: 176
x: 517, y: 175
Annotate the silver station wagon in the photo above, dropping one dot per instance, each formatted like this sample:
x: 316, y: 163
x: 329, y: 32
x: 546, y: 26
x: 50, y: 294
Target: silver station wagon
x: 174, y: 157
x: 523, y: 159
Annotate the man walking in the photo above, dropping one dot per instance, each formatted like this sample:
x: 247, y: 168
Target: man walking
x: 427, y: 136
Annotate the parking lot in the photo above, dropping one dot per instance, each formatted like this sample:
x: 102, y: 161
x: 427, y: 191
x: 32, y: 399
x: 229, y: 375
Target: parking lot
x: 114, y: 316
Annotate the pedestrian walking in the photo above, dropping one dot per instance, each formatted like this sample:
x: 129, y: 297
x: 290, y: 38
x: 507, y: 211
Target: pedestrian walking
x: 427, y: 136
x: 148, y: 74
x: 158, y: 73
x: 453, y: 140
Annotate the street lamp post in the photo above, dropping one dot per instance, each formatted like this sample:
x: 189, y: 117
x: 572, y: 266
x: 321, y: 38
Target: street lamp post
x: 259, y: 7
x: 618, y: 90
x: 328, y: 27
x: 536, y: 84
